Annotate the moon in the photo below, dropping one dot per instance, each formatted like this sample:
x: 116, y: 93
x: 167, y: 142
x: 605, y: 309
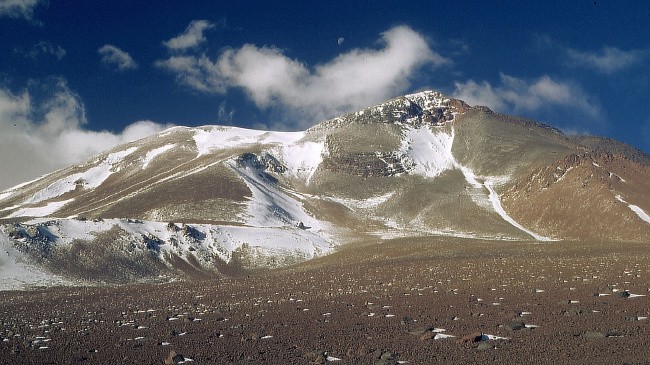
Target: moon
x: 340, y: 41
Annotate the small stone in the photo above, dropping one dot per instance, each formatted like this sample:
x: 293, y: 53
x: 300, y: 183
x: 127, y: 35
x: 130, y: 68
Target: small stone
x: 174, y: 358
x: 514, y: 326
x: 594, y: 335
x: 419, y: 331
x: 577, y: 311
x: 471, y: 339
x: 387, y: 358
x: 485, y: 346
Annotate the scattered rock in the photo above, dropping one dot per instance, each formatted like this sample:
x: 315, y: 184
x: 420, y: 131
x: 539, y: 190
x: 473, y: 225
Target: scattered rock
x: 594, y: 335
x: 485, y: 346
x: 419, y: 331
x: 471, y: 339
x: 174, y: 358
x: 577, y: 311
x: 316, y: 357
x: 360, y: 351
x: 514, y: 326
x: 387, y: 358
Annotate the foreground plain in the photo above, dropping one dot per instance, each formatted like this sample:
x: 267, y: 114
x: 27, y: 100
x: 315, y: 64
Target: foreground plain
x: 383, y: 302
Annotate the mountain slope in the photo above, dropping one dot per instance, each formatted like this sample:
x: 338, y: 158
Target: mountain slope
x: 217, y: 199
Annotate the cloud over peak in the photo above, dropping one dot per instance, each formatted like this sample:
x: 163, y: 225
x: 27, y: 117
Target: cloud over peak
x: 271, y: 79
x: 516, y: 95
x: 112, y: 55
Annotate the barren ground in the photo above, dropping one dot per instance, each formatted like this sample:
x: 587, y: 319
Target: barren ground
x: 377, y: 303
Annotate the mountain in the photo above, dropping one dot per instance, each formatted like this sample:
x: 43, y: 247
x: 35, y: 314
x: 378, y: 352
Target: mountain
x: 215, y: 199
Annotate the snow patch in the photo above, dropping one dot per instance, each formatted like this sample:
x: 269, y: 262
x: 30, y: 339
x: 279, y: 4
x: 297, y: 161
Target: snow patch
x: 636, y: 209
x: 17, y: 274
x: 369, y: 203
x: 212, y: 138
x: 300, y: 157
x: 496, y: 203
x: 43, y: 211
x: 270, y: 206
x: 155, y: 153
x: 429, y: 151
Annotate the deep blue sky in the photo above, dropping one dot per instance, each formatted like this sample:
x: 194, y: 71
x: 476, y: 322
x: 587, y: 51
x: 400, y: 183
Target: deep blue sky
x: 69, y: 69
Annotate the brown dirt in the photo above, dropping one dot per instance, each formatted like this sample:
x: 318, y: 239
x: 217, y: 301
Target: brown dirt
x: 377, y: 303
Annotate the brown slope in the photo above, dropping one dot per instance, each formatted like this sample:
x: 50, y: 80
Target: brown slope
x: 494, y: 144
x: 575, y: 198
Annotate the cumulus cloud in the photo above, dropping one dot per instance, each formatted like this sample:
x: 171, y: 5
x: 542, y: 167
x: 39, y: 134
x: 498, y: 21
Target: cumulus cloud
x: 515, y: 95
x: 606, y: 60
x: 271, y: 79
x: 18, y: 8
x: 191, y: 37
x: 38, y: 137
x: 112, y: 55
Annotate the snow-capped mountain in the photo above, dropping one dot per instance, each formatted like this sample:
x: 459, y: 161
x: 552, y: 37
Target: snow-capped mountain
x: 213, y: 199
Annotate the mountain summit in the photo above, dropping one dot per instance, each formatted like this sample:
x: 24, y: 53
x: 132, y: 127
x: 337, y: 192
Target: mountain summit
x: 219, y: 199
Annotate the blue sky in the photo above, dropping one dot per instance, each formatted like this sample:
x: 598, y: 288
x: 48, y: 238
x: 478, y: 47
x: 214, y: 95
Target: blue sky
x: 79, y: 77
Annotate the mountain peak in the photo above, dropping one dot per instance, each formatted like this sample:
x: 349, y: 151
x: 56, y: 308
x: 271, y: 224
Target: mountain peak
x: 422, y: 108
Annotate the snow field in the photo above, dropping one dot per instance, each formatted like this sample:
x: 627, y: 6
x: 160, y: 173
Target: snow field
x: 203, y: 241
x: 48, y: 209
x: 17, y: 274
x: 430, y: 152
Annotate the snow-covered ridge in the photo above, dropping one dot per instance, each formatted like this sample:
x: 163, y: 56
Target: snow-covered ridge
x: 204, y: 242
x: 212, y: 138
x: 89, y: 179
x: 301, y: 157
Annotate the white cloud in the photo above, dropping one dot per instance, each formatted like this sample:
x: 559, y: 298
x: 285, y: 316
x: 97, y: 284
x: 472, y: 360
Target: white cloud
x: 225, y: 115
x: 352, y: 80
x: 39, y: 137
x: 46, y: 48
x: 192, y: 37
x: 18, y: 8
x: 606, y: 60
x: 112, y: 55
x: 515, y: 95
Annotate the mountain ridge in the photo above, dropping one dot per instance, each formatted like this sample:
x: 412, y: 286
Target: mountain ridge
x: 417, y: 165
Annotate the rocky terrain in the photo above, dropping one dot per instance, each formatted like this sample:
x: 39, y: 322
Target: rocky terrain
x: 414, y: 301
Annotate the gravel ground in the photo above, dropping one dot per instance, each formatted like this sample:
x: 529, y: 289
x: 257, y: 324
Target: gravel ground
x: 415, y: 301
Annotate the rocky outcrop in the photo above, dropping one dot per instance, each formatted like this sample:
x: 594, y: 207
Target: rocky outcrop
x: 265, y: 161
x: 376, y: 164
